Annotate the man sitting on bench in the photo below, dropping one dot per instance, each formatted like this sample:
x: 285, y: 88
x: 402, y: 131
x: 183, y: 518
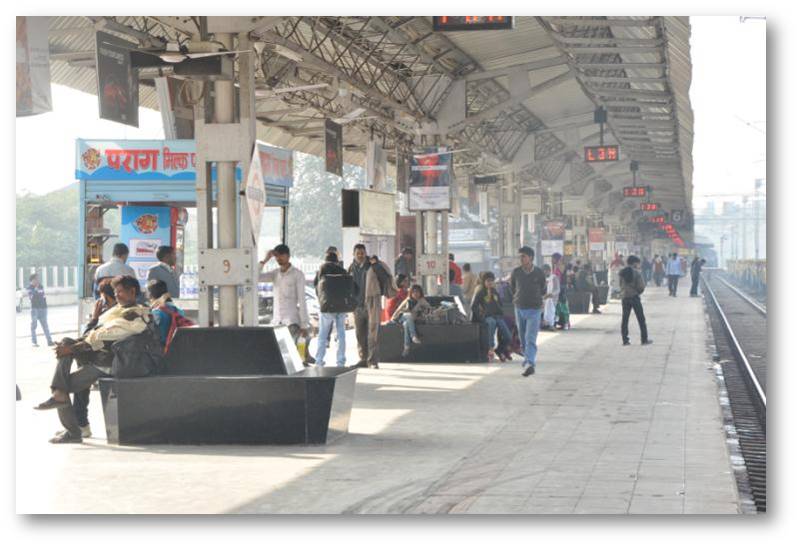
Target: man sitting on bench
x: 92, y: 354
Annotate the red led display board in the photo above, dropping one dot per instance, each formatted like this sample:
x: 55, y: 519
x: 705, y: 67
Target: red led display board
x: 635, y: 191
x: 602, y: 153
x: 650, y: 206
x: 472, y: 22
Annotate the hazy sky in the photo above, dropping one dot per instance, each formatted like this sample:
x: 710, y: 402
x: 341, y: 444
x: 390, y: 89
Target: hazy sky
x: 728, y: 89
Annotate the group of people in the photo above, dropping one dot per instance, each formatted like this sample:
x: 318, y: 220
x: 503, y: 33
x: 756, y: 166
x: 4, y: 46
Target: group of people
x: 120, y: 312
x: 672, y: 268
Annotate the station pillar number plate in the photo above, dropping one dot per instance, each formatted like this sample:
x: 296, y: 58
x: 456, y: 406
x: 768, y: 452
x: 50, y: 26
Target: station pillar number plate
x: 432, y: 264
x: 225, y: 267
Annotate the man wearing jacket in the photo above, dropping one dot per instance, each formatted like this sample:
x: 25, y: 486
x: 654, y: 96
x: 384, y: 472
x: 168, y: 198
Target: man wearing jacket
x: 326, y: 318
x: 38, y: 310
x: 93, y: 355
x: 373, y: 280
x: 632, y: 285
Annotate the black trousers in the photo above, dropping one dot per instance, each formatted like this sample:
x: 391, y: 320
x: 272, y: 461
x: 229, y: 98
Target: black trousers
x: 78, y: 382
x: 633, y: 303
x: 694, y: 285
x: 673, y: 280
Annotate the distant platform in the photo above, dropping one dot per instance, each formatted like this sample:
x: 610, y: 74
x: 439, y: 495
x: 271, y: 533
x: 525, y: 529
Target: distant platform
x: 600, y: 428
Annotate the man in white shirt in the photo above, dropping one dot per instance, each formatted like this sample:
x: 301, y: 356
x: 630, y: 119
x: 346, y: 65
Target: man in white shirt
x: 117, y: 265
x: 673, y: 272
x: 288, y: 290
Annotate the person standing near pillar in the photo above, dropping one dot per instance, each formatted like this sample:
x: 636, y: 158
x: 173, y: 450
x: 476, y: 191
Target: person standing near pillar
x: 455, y: 278
x: 528, y: 285
x: 288, y: 289
x: 38, y: 310
x: 358, y: 270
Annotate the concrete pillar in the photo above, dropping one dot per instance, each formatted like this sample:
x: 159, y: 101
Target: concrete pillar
x: 227, y: 196
x: 430, y: 245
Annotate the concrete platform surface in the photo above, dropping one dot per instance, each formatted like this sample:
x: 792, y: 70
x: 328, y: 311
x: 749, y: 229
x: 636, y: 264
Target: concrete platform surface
x: 599, y: 429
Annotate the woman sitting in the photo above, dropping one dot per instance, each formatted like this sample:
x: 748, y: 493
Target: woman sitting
x: 411, y: 311
x: 487, y: 309
x: 394, y: 302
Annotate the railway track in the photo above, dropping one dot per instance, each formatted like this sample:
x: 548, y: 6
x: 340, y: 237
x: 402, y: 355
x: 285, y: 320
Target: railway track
x: 740, y: 330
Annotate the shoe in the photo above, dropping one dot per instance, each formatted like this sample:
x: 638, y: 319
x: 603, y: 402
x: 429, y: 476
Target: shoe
x: 66, y: 438
x: 646, y: 342
x: 416, y: 340
x: 373, y: 365
x: 50, y: 404
x: 361, y: 364
x: 508, y: 356
x: 596, y: 311
x: 500, y: 355
x: 528, y: 370
x: 406, y: 351
x: 625, y: 343
x: 51, y: 344
x: 85, y: 431
x: 35, y: 345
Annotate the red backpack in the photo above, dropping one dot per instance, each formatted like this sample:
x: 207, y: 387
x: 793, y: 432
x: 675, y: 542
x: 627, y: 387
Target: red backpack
x: 178, y: 320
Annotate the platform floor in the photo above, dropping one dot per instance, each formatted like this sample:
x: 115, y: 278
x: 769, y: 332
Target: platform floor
x: 600, y: 429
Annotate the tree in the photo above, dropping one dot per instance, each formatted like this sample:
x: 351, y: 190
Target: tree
x: 47, y: 228
x: 315, y: 205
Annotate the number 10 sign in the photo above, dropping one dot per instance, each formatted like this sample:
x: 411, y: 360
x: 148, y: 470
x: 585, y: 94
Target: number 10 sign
x: 435, y: 264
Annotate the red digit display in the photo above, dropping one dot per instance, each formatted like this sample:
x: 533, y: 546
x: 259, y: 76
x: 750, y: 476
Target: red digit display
x: 635, y: 191
x: 472, y: 22
x: 602, y: 153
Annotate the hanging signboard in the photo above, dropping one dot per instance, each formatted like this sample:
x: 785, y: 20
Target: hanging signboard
x: 277, y: 165
x: 553, y: 233
x: 402, y: 171
x: 596, y: 239
x: 33, y: 66
x: 117, y: 80
x: 601, y: 153
x: 137, y: 160
x: 334, y: 148
x: 254, y: 194
x: 472, y: 22
x: 531, y: 203
x: 375, y: 166
x: 431, y: 175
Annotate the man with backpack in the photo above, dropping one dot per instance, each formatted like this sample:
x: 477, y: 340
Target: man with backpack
x: 167, y: 316
x: 94, y: 355
x: 336, y: 291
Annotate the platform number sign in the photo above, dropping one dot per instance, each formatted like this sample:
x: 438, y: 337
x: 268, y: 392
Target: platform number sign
x: 433, y: 264
x: 596, y: 154
x: 472, y: 22
x: 676, y: 216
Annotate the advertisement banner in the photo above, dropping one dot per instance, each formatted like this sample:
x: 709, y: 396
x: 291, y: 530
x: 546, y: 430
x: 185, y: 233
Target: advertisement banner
x: 143, y: 229
x: 33, y: 66
x: 334, y: 148
x: 117, y: 80
x: 431, y: 175
x: 553, y: 232
x: 375, y: 166
x: 596, y: 239
x: 277, y: 165
x: 137, y: 160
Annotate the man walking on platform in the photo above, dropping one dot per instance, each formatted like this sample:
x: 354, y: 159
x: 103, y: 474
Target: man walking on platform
x: 673, y: 272
x: 632, y: 286
x: 38, y: 310
x: 528, y: 285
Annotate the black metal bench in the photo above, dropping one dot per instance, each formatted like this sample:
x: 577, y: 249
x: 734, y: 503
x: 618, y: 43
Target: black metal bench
x: 230, y: 386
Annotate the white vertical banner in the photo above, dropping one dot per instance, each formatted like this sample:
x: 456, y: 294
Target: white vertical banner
x: 255, y: 194
x: 482, y: 200
x: 375, y: 166
x: 33, y: 66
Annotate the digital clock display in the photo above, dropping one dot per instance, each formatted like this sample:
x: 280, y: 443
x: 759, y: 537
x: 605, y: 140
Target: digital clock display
x: 650, y: 206
x: 602, y: 153
x: 657, y: 220
x: 635, y: 191
x: 472, y: 22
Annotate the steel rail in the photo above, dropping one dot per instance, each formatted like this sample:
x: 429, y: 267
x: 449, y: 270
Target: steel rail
x: 748, y: 300
x: 740, y: 355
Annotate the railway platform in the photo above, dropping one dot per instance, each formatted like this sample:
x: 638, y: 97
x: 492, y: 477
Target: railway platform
x: 599, y: 429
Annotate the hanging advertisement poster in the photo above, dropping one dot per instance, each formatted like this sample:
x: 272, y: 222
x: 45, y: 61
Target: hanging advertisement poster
x: 431, y: 174
x: 144, y: 228
x: 117, y: 80
x: 596, y: 239
x: 334, y: 148
x: 33, y: 66
x: 277, y: 168
x: 375, y: 166
x: 402, y: 171
x: 553, y: 233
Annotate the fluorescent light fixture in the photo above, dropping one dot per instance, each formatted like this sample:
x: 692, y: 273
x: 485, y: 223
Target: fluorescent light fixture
x: 299, y: 88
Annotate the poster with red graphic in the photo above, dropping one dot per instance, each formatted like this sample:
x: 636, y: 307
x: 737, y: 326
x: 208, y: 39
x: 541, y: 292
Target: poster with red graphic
x: 431, y: 177
x: 334, y: 148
